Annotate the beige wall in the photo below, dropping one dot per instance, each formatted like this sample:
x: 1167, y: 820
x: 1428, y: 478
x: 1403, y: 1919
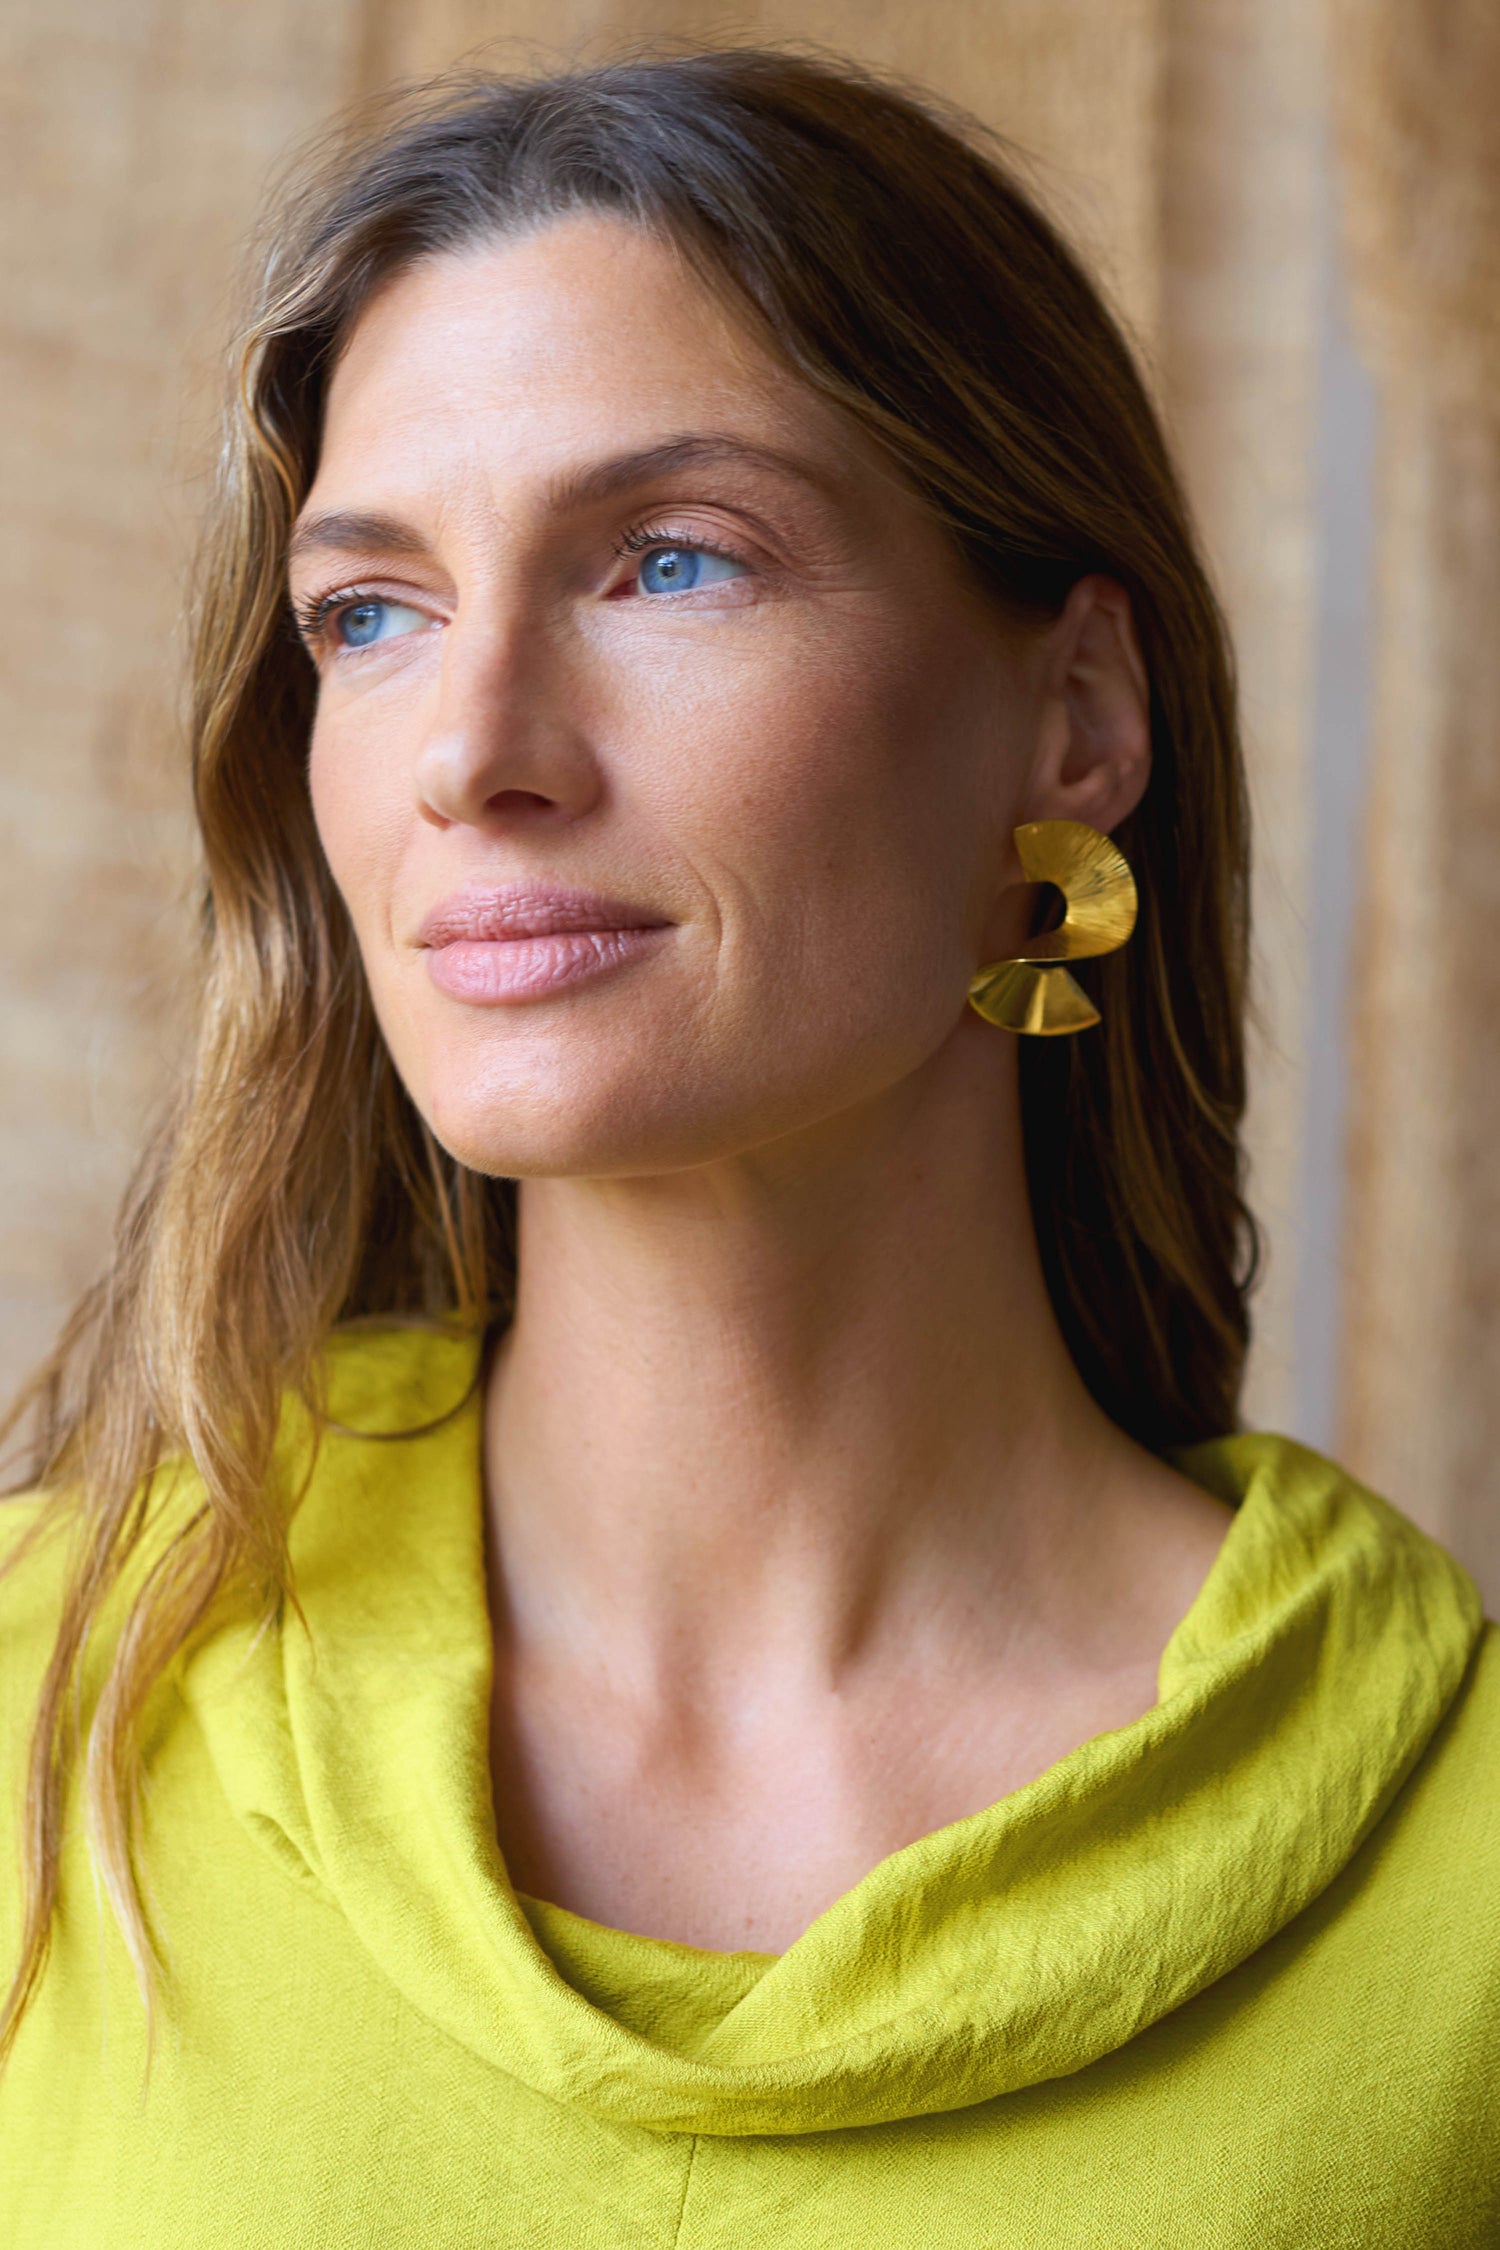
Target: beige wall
x: 137, y: 141
x: 1187, y: 146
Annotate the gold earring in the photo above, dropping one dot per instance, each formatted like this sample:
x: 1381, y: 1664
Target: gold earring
x: 1029, y: 992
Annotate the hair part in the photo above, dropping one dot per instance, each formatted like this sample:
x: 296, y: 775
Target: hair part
x: 893, y: 264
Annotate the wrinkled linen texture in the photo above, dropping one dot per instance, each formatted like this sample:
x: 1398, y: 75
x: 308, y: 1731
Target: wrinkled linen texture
x: 1227, y: 1976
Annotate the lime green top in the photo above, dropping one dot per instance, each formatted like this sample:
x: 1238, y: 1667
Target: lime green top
x: 1229, y: 1975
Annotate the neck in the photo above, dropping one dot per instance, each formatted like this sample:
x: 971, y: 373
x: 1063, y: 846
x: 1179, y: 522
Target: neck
x: 779, y: 1407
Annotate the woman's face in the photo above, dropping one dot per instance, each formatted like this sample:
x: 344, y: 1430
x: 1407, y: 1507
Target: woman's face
x: 664, y: 757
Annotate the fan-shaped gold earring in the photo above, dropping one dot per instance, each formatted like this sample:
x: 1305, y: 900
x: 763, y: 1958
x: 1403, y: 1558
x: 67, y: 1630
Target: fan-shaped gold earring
x: 1030, y: 992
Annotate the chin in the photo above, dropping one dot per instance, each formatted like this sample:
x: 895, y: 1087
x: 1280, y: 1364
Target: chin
x: 654, y: 1101
x: 587, y: 1132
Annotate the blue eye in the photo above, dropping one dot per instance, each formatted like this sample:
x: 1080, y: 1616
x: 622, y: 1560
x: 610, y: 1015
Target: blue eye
x: 677, y: 570
x: 364, y: 623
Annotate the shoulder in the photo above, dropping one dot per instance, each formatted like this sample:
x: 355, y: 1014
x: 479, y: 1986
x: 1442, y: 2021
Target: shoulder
x: 1373, y: 1666
x: 35, y: 1555
x: 390, y: 1378
x: 1402, y: 1623
x: 373, y: 1380
x: 1411, y: 1931
x: 44, y: 1540
x: 1318, y: 1534
x: 35, y: 1549
x: 1455, y: 1790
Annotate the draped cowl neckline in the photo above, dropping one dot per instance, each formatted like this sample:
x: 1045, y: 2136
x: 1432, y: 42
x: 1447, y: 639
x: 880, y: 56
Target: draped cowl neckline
x: 1013, y: 1946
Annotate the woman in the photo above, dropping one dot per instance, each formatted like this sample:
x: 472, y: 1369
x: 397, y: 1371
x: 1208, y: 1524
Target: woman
x: 676, y: 1642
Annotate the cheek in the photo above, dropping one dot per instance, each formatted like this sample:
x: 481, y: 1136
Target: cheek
x: 361, y: 818
x: 846, y: 805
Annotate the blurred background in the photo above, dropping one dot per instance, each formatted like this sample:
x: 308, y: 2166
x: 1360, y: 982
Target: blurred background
x: 1294, y: 206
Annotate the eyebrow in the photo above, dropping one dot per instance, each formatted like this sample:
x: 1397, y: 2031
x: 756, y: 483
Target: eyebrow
x: 694, y: 450
x: 350, y: 531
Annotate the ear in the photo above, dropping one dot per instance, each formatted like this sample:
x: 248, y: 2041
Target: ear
x: 1093, y: 756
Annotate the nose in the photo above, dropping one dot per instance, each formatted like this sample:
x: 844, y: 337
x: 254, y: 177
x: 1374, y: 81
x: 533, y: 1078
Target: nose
x: 506, y: 741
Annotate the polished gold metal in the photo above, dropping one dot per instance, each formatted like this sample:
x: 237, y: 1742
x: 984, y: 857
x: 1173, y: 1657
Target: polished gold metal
x: 1029, y: 992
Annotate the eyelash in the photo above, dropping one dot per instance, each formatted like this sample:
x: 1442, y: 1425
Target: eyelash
x: 315, y: 613
x: 642, y: 537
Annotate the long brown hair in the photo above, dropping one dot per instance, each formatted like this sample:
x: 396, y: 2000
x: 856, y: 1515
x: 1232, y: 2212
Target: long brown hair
x: 894, y: 264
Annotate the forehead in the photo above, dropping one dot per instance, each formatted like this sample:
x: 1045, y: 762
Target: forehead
x: 588, y: 333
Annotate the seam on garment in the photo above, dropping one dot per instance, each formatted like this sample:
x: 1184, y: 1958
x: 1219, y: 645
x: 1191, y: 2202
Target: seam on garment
x: 687, y: 2181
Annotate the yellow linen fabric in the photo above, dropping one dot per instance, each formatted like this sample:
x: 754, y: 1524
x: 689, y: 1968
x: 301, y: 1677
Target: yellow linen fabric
x: 1227, y: 1976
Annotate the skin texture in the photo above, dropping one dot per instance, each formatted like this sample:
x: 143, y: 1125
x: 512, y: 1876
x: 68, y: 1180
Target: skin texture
x: 804, y: 1537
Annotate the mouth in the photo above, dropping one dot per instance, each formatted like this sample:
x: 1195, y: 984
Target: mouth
x: 528, y: 941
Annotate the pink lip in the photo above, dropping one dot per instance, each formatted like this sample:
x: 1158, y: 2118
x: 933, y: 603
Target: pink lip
x: 529, y: 940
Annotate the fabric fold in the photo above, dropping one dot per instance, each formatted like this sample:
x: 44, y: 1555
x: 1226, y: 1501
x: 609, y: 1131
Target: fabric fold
x: 1014, y: 1946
